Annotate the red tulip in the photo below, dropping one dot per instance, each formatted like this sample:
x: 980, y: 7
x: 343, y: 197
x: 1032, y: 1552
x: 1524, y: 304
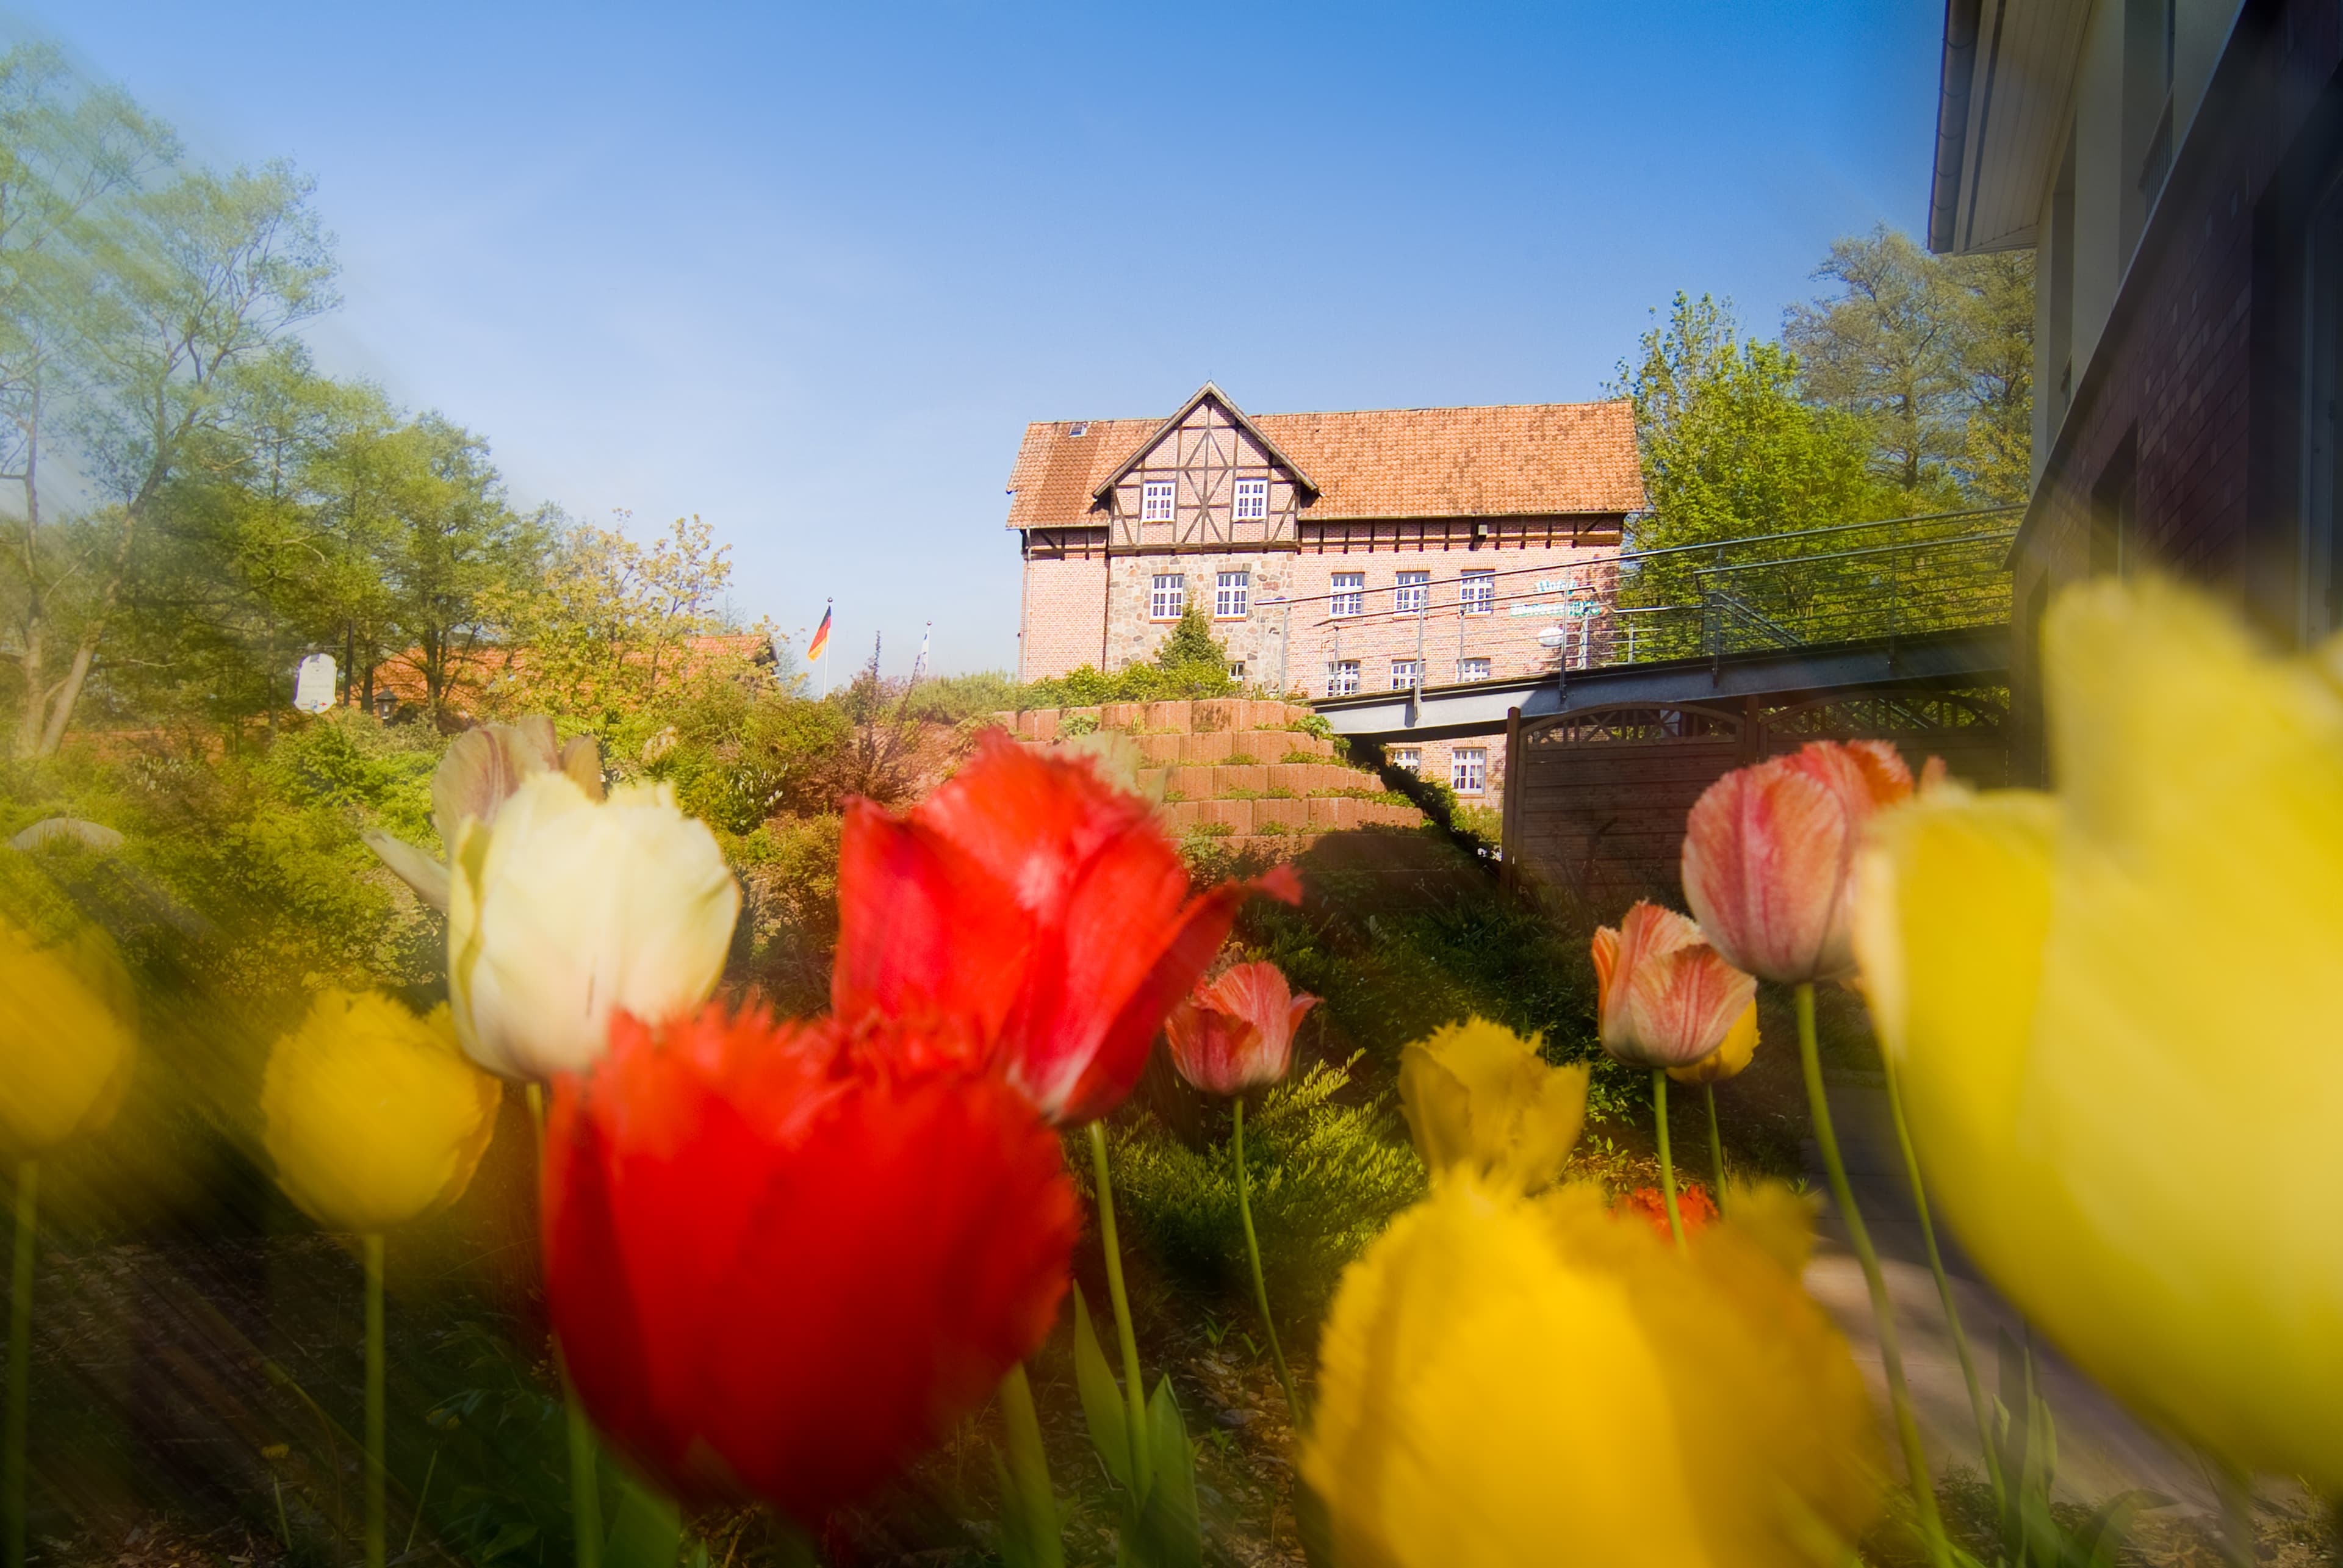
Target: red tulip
x: 1237, y: 1031
x: 783, y: 1258
x: 1769, y: 851
x: 1694, y: 1209
x: 1666, y: 998
x: 1044, y: 907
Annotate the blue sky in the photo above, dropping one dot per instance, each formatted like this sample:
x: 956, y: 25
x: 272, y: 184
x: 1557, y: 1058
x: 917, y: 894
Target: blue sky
x: 807, y: 272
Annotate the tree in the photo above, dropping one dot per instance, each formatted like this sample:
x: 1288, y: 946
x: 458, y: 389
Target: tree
x: 176, y: 286
x: 1729, y: 449
x: 1933, y: 354
x: 71, y: 160
x: 609, y: 620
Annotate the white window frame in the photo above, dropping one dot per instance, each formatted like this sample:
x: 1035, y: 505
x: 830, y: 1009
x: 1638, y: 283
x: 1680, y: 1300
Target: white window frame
x: 1236, y: 669
x: 1350, y: 595
x: 1158, y: 500
x: 1169, y: 588
x: 1468, y: 769
x: 1465, y: 670
x: 1477, y: 591
x: 1342, y: 677
x: 1252, y: 501
x: 1404, y: 673
x: 1232, y: 596
x: 1408, y: 757
x: 1412, y: 592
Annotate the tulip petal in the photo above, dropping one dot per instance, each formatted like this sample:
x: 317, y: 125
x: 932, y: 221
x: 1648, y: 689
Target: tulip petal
x: 1765, y: 858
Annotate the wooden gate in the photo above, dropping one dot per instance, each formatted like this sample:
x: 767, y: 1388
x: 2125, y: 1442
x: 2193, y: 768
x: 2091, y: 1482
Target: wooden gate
x: 1595, y: 800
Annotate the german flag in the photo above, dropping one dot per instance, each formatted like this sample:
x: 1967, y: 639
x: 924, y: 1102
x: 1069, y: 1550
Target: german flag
x: 820, y: 636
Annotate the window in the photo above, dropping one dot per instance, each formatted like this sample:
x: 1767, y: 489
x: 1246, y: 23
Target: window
x: 1468, y: 769
x: 1168, y: 597
x: 1413, y: 591
x: 1236, y: 669
x: 1473, y: 669
x: 1405, y: 672
x: 1342, y: 678
x: 1350, y: 594
x: 1155, y: 501
x: 1408, y: 757
x: 1229, y: 595
x: 1252, y: 500
x: 1479, y: 592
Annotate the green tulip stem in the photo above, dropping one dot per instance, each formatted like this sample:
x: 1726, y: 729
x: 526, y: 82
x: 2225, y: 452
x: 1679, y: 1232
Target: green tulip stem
x: 1029, y: 1471
x: 1715, y: 1144
x: 377, y: 1475
x: 584, y: 1484
x: 1142, y: 1473
x: 20, y: 1358
x: 1891, y: 1355
x: 1252, y: 1256
x: 1668, y: 1164
x: 1978, y: 1405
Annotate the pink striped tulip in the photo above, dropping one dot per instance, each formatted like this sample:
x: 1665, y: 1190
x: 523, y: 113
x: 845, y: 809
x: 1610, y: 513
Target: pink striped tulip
x: 1667, y: 998
x: 1237, y: 1031
x: 1769, y: 854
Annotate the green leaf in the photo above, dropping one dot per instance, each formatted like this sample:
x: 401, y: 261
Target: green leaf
x: 1016, y: 1528
x: 1101, y: 1397
x: 648, y: 1531
x: 2103, y: 1534
x: 1170, y: 1535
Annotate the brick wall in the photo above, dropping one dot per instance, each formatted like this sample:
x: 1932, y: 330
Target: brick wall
x: 1289, y: 646
x: 2190, y: 384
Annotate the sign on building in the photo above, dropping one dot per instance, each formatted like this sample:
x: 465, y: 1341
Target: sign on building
x: 313, y: 687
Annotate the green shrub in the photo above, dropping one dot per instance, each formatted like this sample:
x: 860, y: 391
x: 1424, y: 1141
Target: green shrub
x: 1327, y: 1177
x: 1078, y: 724
x: 1312, y: 724
x: 1240, y: 759
x: 1298, y: 755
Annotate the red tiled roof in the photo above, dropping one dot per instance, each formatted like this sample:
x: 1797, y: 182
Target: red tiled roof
x: 1522, y: 460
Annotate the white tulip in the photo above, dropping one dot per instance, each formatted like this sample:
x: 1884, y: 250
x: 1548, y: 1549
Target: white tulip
x: 563, y: 909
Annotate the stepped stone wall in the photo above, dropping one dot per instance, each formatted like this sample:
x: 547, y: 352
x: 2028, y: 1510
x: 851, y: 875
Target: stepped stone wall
x: 1230, y: 767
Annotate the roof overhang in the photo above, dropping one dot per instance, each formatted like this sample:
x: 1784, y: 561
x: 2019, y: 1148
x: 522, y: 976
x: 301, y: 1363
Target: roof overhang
x: 2004, y: 92
x: 1123, y: 470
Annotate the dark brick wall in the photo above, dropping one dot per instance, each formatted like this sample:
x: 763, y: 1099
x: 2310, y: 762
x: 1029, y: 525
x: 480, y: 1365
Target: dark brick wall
x: 2192, y: 383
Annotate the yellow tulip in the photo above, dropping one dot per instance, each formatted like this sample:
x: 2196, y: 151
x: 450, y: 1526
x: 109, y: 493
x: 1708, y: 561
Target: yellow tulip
x: 1482, y: 1104
x: 2114, y: 1016
x: 372, y: 1115
x: 1728, y: 1059
x: 564, y: 909
x: 1506, y: 1381
x: 66, y: 1038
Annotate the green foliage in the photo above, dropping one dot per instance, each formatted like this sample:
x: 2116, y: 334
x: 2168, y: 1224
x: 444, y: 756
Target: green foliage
x: 1934, y: 355
x: 962, y: 699
x: 1191, y: 663
x: 1075, y: 724
x: 1391, y: 976
x: 1316, y: 724
x: 1328, y: 1173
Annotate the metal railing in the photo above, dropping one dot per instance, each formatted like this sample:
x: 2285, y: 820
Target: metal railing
x: 1845, y: 582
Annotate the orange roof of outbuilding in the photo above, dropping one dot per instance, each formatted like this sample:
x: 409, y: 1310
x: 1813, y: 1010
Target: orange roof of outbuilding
x: 1518, y: 459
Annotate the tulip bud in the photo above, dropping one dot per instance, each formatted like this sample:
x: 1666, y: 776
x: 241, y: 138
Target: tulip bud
x: 1666, y: 998
x: 372, y: 1116
x: 562, y: 911
x: 1507, y: 1382
x: 1237, y: 1032
x: 65, y: 1036
x: 1482, y: 1104
x: 785, y: 1258
x: 2102, y: 1004
x: 1769, y: 851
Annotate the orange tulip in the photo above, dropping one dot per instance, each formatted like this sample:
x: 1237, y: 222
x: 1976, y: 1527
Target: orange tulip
x: 1667, y: 998
x: 1769, y: 854
x: 1237, y: 1032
